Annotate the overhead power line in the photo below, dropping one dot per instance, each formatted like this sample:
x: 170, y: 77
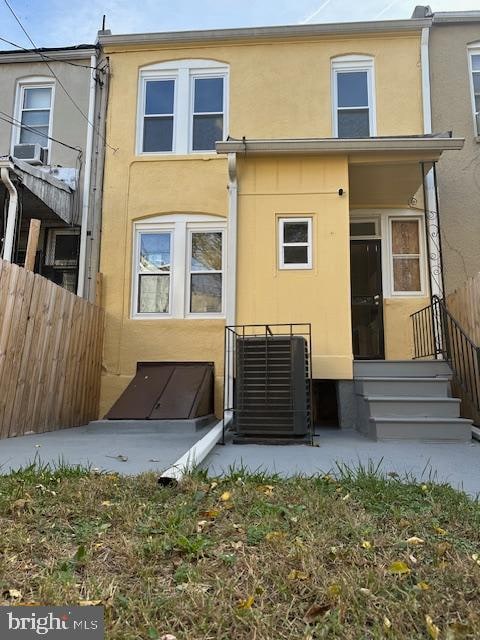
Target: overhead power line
x: 44, y: 55
x: 16, y: 123
x: 57, y: 78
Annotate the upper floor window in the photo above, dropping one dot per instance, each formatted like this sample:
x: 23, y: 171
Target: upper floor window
x: 353, y: 97
x: 474, y: 57
x: 34, y: 112
x: 182, y: 106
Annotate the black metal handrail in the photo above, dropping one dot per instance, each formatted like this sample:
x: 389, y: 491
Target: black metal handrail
x: 437, y: 333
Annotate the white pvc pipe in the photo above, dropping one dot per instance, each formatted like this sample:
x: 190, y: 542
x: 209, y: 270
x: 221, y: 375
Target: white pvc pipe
x: 11, y: 216
x: 194, y: 456
x: 86, y: 180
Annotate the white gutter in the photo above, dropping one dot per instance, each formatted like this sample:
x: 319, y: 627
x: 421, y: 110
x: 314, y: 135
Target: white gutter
x: 12, y: 214
x: 193, y: 457
x: 436, y: 284
x: 86, y: 180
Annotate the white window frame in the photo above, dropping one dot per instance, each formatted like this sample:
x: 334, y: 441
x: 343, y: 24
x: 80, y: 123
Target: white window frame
x: 202, y: 228
x: 281, y: 244
x: 180, y: 226
x: 354, y: 63
x: 144, y: 230
x: 183, y: 72
x: 384, y: 231
x: 33, y: 82
x: 420, y: 256
x: 200, y: 75
x: 374, y: 220
x: 473, y: 50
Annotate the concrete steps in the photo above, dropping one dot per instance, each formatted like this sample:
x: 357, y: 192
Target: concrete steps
x: 408, y: 400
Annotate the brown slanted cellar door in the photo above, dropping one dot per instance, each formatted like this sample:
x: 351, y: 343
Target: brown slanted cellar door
x: 166, y: 391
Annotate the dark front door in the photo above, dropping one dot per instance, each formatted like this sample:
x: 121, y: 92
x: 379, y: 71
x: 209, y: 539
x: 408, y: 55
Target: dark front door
x: 367, y: 299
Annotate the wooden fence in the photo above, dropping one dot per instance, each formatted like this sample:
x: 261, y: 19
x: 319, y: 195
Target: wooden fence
x: 50, y: 354
x: 464, y: 305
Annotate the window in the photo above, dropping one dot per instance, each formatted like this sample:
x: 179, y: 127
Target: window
x: 153, y: 271
x: 182, y: 106
x: 206, y: 257
x: 34, y: 112
x: 61, y: 257
x: 474, y: 59
x: 159, y: 113
x: 295, y: 243
x: 363, y: 228
x: 179, y: 267
x: 353, y: 97
x: 406, y: 256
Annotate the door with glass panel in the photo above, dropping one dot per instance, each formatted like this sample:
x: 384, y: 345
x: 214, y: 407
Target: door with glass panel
x: 367, y: 298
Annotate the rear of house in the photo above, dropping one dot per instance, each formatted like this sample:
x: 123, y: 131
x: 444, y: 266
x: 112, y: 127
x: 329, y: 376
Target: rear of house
x: 264, y: 177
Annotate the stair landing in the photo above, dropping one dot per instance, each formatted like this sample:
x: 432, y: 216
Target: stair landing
x: 408, y: 400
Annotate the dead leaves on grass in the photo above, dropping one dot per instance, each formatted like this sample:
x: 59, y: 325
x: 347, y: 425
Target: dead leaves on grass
x: 398, y: 567
x: 315, y: 612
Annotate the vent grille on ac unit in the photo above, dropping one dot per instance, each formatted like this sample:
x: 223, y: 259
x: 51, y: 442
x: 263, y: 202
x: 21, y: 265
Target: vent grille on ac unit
x: 31, y: 153
x: 272, y: 386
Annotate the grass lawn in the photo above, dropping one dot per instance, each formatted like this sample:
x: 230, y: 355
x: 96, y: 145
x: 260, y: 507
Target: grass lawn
x: 245, y: 557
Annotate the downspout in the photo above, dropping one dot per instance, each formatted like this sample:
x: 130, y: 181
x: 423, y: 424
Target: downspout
x: 231, y: 295
x: 432, y: 222
x: 86, y: 180
x: 11, y: 215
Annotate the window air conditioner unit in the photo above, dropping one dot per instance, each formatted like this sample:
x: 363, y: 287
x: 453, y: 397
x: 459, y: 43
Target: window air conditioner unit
x: 31, y: 153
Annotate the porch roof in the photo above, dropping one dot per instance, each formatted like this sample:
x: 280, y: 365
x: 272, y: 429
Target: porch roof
x: 54, y: 195
x: 425, y: 147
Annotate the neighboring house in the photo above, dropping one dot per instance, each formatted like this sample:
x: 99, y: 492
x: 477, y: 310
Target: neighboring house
x: 264, y: 176
x: 455, y: 96
x: 52, y: 107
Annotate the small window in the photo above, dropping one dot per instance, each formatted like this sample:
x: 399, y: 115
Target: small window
x: 207, y: 128
x: 63, y: 248
x: 295, y: 243
x: 363, y: 228
x: 158, y: 115
x: 206, y: 271
x: 35, y: 107
x: 406, y: 262
x: 475, y: 85
x: 353, y: 97
x: 153, y: 272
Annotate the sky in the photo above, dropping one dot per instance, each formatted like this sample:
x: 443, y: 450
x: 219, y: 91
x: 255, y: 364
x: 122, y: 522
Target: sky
x: 66, y: 22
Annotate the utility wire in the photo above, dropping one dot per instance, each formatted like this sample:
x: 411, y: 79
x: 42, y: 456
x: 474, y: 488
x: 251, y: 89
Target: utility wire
x: 58, y: 79
x: 44, y: 55
x: 16, y: 123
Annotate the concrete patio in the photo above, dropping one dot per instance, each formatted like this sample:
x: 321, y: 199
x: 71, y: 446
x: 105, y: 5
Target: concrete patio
x: 147, y: 448
x: 457, y: 464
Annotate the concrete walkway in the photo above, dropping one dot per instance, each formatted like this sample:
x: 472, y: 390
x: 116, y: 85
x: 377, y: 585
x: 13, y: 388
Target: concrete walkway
x: 147, y: 446
x: 456, y: 464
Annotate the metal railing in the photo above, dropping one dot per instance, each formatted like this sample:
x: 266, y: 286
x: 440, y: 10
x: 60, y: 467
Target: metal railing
x: 236, y: 337
x: 437, y: 333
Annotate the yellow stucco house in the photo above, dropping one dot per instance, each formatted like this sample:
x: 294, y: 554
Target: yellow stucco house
x: 264, y: 176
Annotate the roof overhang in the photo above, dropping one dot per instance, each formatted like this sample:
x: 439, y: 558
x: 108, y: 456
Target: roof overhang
x: 428, y: 147
x: 54, y: 193
x: 266, y: 33
x: 452, y: 17
x: 82, y: 52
